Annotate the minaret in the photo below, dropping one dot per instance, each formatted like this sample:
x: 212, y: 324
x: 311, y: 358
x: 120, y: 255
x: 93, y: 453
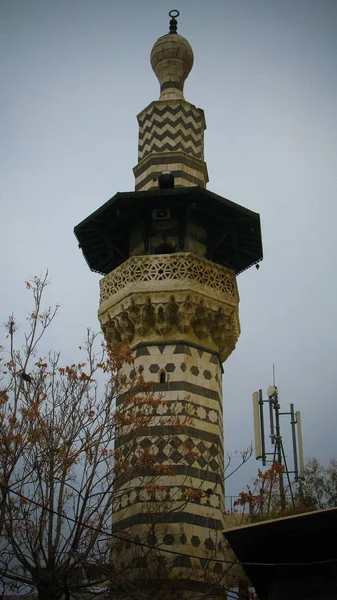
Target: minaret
x: 170, y: 252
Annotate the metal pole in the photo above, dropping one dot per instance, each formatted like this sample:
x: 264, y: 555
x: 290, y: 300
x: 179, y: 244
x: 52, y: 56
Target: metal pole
x: 270, y: 489
x: 271, y: 420
x: 300, y: 452
x: 287, y: 472
x: 279, y: 449
x: 293, y: 431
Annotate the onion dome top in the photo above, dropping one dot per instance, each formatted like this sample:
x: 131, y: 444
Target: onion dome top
x: 172, y: 60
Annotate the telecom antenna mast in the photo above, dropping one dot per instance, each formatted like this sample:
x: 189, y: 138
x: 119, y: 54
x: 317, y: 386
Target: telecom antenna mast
x: 275, y: 437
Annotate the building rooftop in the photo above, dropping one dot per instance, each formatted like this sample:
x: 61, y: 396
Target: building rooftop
x: 292, y: 557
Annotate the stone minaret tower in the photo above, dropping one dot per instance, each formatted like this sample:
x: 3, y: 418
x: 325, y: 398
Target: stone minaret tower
x: 170, y: 252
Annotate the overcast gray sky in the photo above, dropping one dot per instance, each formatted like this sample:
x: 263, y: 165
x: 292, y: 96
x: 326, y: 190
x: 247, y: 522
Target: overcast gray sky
x: 74, y: 75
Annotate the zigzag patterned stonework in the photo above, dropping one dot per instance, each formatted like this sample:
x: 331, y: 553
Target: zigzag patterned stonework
x: 174, y: 131
x: 159, y: 124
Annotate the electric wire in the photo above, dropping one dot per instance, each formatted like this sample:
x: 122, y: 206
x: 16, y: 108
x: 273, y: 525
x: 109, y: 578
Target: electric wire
x: 144, y: 545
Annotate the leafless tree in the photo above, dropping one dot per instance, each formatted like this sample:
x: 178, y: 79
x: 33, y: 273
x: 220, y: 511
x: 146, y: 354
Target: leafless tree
x: 61, y: 472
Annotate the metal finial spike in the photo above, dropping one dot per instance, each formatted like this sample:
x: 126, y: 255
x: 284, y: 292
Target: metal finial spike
x: 173, y: 23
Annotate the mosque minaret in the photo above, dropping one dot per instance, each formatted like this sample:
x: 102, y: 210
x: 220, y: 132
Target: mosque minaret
x: 169, y: 253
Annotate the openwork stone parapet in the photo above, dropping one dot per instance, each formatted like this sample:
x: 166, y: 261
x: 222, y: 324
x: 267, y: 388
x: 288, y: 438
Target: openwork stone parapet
x: 144, y: 271
x: 172, y: 296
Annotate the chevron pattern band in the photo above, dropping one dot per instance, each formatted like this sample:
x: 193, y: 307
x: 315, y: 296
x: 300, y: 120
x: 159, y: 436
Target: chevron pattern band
x: 171, y: 140
x: 174, y: 126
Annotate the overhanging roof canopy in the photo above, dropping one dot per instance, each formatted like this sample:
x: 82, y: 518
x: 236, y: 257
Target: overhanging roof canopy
x: 234, y: 232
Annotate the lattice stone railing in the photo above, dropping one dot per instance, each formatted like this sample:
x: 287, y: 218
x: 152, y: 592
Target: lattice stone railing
x: 169, y: 267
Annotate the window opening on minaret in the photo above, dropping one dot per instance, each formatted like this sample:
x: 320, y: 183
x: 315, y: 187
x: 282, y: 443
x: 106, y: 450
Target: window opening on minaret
x: 166, y: 181
x: 162, y: 376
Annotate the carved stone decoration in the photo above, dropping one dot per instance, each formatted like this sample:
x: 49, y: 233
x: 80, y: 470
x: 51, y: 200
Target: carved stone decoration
x: 186, y: 315
x: 203, y: 307
x: 162, y: 326
x: 163, y: 268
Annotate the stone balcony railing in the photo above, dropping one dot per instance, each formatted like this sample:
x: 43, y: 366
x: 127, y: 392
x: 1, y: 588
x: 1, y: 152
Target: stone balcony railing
x: 143, y: 271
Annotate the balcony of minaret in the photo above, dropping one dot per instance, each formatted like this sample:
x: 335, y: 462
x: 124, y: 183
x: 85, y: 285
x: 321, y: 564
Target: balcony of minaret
x: 177, y: 296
